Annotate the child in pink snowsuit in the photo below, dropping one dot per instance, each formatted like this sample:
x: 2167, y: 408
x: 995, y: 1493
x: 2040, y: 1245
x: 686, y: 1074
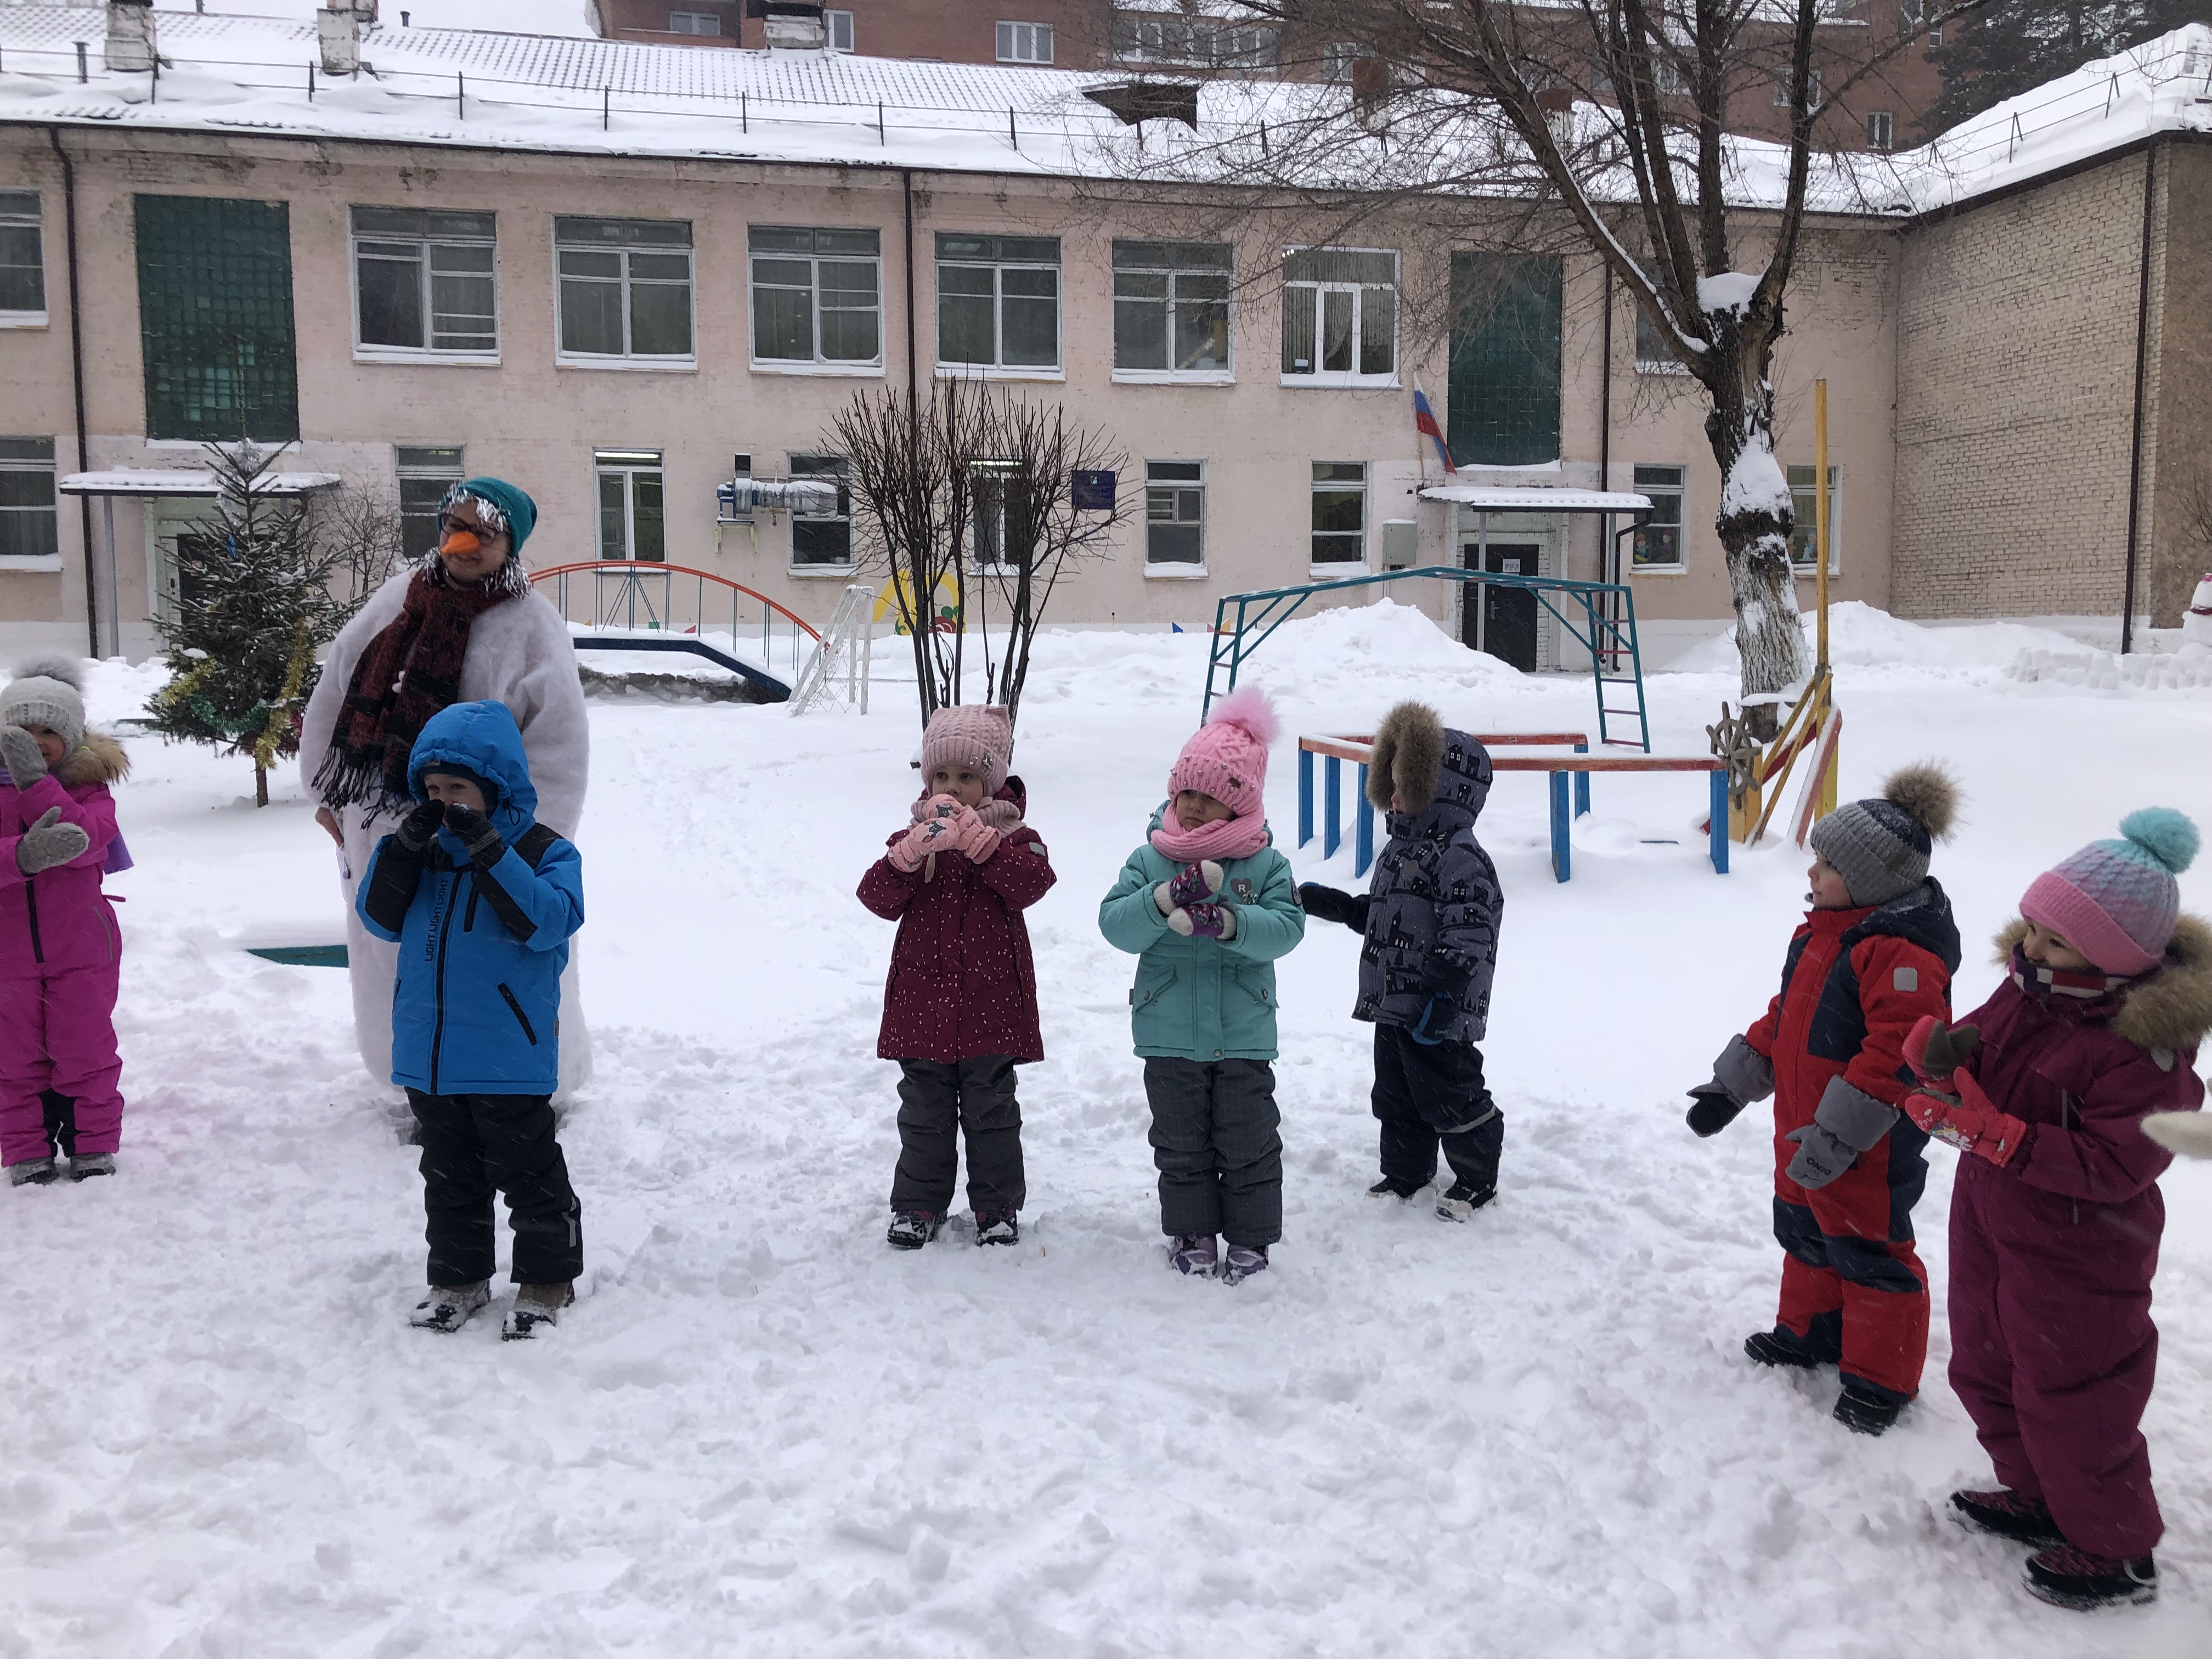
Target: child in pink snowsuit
x: 2056, y: 1215
x: 60, y: 948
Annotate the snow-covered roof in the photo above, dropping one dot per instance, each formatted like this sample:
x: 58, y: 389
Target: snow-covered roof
x: 1507, y: 498
x: 186, y: 481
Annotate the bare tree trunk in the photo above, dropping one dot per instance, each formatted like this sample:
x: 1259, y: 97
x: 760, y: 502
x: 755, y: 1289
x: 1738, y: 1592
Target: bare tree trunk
x: 1754, y: 523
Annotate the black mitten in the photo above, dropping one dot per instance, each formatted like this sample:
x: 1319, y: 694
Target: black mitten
x: 1331, y: 904
x: 474, y: 831
x: 1712, y: 1109
x: 416, y: 830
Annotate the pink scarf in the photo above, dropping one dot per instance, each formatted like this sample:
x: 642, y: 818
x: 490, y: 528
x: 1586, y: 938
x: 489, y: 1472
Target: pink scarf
x: 1223, y: 839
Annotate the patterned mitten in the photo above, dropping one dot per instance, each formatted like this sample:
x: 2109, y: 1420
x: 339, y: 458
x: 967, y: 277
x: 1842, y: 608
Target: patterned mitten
x: 474, y: 832
x: 19, y: 751
x: 1194, y: 883
x: 1203, y: 921
x: 49, y: 841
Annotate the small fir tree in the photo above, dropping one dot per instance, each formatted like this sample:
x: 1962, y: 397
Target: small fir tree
x: 254, y: 610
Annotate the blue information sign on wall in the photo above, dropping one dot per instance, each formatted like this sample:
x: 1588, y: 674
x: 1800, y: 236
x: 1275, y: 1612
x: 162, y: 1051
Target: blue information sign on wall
x: 1093, y: 492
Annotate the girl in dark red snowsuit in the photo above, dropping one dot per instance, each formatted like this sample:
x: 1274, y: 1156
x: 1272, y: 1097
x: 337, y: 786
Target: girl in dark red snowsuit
x: 2055, y: 1216
x: 1873, y: 956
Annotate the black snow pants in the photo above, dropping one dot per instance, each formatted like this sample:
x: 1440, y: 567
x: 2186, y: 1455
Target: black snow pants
x: 1429, y: 1095
x: 974, y: 1096
x: 1216, y: 1144
x: 475, y: 1144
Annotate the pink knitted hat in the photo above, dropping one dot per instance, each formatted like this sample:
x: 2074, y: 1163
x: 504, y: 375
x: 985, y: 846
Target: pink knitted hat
x: 1228, y: 757
x: 973, y: 735
x: 2116, y: 901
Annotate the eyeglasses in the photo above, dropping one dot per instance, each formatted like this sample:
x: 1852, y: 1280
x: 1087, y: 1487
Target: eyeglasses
x: 447, y: 523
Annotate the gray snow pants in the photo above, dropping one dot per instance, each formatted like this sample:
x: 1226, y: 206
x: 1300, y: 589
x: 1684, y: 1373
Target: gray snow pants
x: 1215, y: 1143
x: 977, y: 1097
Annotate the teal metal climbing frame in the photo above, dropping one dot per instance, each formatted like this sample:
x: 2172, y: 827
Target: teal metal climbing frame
x: 1610, y: 639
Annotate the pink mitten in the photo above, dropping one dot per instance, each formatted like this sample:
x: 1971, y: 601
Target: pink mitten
x: 930, y: 834
x: 979, y: 842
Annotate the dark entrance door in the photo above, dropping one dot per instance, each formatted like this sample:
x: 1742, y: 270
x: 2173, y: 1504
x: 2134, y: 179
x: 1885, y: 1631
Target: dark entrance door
x: 1504, y: 624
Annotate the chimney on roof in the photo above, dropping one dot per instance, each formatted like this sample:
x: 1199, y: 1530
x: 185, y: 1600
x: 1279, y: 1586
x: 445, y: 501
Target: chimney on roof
x: 790, y: 25
x: 338, y: 31
x: 130, y: 45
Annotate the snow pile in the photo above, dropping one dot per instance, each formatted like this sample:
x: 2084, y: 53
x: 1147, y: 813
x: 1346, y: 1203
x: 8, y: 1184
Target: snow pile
x: 1862, y: 635
x: 1728, y: 293
x: 2187, y: 670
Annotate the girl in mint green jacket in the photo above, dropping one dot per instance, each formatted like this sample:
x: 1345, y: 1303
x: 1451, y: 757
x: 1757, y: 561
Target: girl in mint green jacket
x: 1207, y: 904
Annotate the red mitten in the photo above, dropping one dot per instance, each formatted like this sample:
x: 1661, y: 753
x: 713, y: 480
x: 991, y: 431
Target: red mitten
x: 1934, y: 1050
x: 1970, y: 1121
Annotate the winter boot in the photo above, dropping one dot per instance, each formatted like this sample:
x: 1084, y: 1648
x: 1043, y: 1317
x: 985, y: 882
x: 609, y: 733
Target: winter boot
x: 912, y: 1229
x: 535, y: 1305
x: 1398, y: 1187
x: 1777, y: 1347
x: 997, y: 1227
x: 91, y: 1164
x: 32, y: 1172
x: 1862, y: 1411
x: 1243, y: 1263
x: 447, y: 1307
x: 2068, y: 1577
x: 1195, y: 1253
x: 1463, y: 1199
x: 2008, y: 1515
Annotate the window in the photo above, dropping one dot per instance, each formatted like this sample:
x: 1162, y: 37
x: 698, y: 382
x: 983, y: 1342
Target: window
x: 30, y: 517
x: 1506, y: 335
x: 1170, y: 36
x: 214, y: 317
x: 1655, y: 347
x: 1812, y: 89
x: 23, y: 261
x: 625, y: 288
x: 1336, y: 62
x: 633, y: 517
x: 1003, y: 537
x: 1171, y: 308
x: 1340, y: 513
x: 823, y: 541
x: 1658, y: 543
x: 1934, y: 36
x: 818, y: 296
x: 1804, y: 508
x: 424, y: 281
x: 1025, y: 42
x: 998, y: 301
x: 837, y: 31
x: 694, y: 22
x: 425, y: 474
x: 1880, y: 125
x: 1340, y: 317
x: 1174, y: 513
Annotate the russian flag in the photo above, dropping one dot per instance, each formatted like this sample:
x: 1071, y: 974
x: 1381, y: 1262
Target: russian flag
x: 1424, y: 421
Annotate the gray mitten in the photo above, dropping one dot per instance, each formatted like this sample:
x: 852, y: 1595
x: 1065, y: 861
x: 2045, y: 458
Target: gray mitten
x: 1821, y: 1157
x: 1852, y: 1115
x: 1745, y: 1072
x: 49, y: 841
x: 19, y: 752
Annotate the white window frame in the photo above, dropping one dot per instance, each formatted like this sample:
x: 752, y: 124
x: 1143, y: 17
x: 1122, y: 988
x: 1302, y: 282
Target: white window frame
x: 1137, y: 35
x: 1174, y: 569
x: 1881, y: 131
x: 999, y: 369
x: 1337, y: 58
x: 831, y: 368
x: 426, y: 240
x: 1226, y: 374
x: 1013, y: 36
x: 1681, y: 492
x: 1337, y: 379
x: 1812, y: 89
x: 627, y: 464
x: 819, y: 464
x: 689, y: 28
x: 837, y: 31
x: 1645, y: 365
x: 655, y: 362
x: 1366, y: 488
x: 1806, y: 569
x: 33, y: 219
x: 49, y: 467
x: 448, y: 474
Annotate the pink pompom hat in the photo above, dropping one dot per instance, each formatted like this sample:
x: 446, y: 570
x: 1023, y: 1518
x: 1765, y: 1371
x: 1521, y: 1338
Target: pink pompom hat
x: 973, y: 735
x: 1227, y: 758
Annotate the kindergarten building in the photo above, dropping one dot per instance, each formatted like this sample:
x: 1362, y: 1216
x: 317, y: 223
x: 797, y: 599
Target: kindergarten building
x: 620, y: 274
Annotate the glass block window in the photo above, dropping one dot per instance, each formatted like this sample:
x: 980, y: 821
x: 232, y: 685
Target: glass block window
x: 1171, y: 306
x: 22, y: 258
x: 998, y: 301
x: 1658, y: 543
x: 823, y: 541
x: 1025, y: 42
x: 1174, y: 513
x: 30, y: 512
x: 625, y: 288
x: 1506, y: 359
x: 633, y: 513
x: 214, y: 315
x: 1340, y: 513
x: 425, y: 281
x: 1805, y: 510
x: 1340, y: 317
x: 426, y: 472
x: 818, y: 295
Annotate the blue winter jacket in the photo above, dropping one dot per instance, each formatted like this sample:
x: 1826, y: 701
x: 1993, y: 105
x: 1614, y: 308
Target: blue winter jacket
x: 476, y: 1008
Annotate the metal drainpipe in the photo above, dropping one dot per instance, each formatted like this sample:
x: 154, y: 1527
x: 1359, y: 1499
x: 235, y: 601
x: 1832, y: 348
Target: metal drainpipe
x: 1604, y: 433
x: 906, y: 189
x: 76, y: 376
x: 2143, y: 359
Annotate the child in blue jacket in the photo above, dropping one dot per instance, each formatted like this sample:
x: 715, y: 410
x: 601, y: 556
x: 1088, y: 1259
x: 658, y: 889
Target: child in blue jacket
x: 482, y: 900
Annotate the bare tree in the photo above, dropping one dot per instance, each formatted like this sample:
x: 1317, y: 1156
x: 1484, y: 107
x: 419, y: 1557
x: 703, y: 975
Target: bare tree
x: 358, y: 526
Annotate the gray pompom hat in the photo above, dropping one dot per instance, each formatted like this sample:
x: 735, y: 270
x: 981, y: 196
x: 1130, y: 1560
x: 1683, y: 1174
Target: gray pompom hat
x: 1880, y: 847
x: 47, y: 693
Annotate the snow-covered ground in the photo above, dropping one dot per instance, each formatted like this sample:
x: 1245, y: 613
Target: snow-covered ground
x: 762, y: 1433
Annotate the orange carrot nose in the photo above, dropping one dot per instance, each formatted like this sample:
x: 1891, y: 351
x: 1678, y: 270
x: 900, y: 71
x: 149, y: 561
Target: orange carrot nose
x: 462, y: 541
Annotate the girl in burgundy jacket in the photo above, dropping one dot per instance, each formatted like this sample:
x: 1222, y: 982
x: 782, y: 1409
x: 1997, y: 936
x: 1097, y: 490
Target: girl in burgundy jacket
x: 2056, y: 1215
x: 960, y: 1007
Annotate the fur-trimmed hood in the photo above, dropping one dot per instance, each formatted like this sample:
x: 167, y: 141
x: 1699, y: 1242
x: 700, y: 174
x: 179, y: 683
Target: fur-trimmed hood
x: 1408, y: 753
x: 2170, y: 1008
x: 98, y: 759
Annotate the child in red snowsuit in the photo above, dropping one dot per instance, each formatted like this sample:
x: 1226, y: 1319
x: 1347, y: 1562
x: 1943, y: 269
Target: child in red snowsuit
x: 2056, y: 1217
x: 960, y: 1007
x: 60, y: 950
x: 1874, y: 955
